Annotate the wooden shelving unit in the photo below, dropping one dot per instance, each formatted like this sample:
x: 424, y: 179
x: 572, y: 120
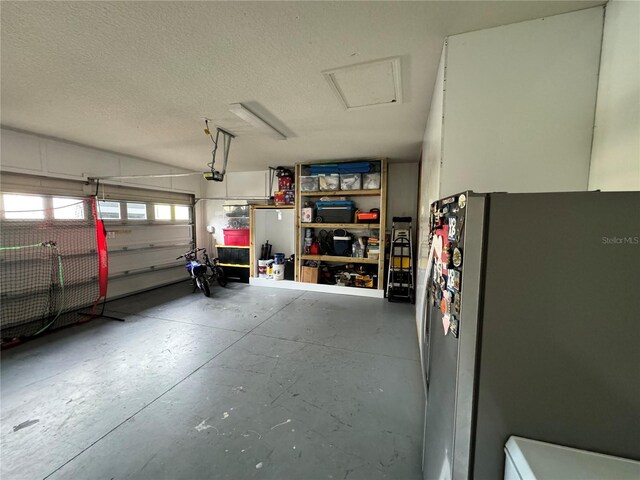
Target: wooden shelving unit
x: 353, y: 226
x: 336, y: 258
x: 380, y: 193
x: 342, y: 193
x: 272, y: 207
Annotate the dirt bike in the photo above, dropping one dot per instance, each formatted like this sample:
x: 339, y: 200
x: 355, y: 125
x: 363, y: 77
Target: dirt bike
x: 197, y: 271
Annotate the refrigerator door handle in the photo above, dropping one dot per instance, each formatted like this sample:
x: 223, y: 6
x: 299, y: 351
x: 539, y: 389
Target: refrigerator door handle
x: 426, y: 330
x: 426, y: 326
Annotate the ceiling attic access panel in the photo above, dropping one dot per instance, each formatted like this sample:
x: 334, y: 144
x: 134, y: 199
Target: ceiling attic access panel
x: 367, y: 84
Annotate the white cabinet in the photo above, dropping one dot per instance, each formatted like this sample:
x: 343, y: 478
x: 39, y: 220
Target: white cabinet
x: 533, y: 460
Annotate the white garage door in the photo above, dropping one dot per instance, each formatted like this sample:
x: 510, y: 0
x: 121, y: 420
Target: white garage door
x: 146, y: 229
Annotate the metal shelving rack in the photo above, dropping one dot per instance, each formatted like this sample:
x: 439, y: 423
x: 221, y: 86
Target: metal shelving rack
x: 381, y: 193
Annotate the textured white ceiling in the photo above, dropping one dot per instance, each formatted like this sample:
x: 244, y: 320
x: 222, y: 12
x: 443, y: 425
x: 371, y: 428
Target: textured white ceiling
x: 137, y: 77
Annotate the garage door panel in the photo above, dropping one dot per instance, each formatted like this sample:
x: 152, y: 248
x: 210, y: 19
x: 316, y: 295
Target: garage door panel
x: 70, y: 239
x: 79, y: 269
x: 128, y: 284
x: 142, y: 253
x: 131, y: 236
x: 132, y: 260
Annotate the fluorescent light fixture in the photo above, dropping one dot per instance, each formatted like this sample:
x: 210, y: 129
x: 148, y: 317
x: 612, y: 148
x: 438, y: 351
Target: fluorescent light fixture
x: 248, y: 116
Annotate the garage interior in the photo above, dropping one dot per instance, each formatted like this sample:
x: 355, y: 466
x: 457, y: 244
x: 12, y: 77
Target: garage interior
x: 115, y: 365
x: 185, y: 388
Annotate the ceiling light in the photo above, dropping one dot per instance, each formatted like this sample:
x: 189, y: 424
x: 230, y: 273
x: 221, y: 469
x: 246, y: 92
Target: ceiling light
x: 248, y: 116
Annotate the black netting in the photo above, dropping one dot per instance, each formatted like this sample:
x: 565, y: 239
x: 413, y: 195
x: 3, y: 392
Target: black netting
x: 48, y: 269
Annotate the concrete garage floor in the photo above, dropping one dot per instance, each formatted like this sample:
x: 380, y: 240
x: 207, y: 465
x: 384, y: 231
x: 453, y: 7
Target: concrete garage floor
x: 250, y: 383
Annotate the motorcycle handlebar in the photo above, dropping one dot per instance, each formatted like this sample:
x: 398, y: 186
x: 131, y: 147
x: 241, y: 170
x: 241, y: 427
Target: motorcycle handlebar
x: 191, y: 252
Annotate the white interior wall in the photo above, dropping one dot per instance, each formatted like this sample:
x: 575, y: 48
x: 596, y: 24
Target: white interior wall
x: 36, y: 155
x: 432, y: 141
x: 239, y: 184
x: 250, y: 185
x: 402, y: 191
x: 615, y: 159
x: 278, y: 227
x: 512, y: 110
x: 213, y: 216
x: 212, y: 211
x: 429, y: 181
x: 519, y: 105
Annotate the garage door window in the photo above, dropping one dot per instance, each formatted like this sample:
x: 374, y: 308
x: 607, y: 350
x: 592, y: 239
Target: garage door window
x: 23, y: 207
x: 68, y: 208
x: 136, y: 211
x: 183, y: 212
x: 163, y: 212
x: 109, y: 210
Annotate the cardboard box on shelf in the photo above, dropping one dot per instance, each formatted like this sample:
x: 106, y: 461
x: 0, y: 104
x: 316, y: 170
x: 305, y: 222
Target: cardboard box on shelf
x: 309, y: 274
x: 365, y: 281
x: 306, y: 215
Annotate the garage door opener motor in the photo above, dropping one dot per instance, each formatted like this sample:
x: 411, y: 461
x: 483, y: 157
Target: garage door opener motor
x: 213, y: 174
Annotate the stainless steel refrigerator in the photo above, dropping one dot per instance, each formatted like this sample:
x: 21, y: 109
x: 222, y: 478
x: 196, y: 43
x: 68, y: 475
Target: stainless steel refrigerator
x: 532, y: 327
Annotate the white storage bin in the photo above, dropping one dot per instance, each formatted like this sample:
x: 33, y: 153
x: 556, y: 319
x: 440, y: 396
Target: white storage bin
x: 329, y: 182
x: 371, y: 181
x: 309, y: 183
x: 534, y: 460
x: 350, y: 181
x: 236, y: 210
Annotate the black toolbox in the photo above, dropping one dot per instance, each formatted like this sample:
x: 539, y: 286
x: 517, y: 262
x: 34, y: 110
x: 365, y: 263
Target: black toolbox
x: 340, y: 211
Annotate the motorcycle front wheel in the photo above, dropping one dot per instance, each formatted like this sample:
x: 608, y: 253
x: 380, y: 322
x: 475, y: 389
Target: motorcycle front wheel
x: 203, y: 284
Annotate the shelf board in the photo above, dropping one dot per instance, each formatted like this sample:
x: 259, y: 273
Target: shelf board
x: 233, y: 265
x: 273, y: 207
x: 318, y: 287
x: 337, y: 193
x: 334, y: 258
x: 363, y: 226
